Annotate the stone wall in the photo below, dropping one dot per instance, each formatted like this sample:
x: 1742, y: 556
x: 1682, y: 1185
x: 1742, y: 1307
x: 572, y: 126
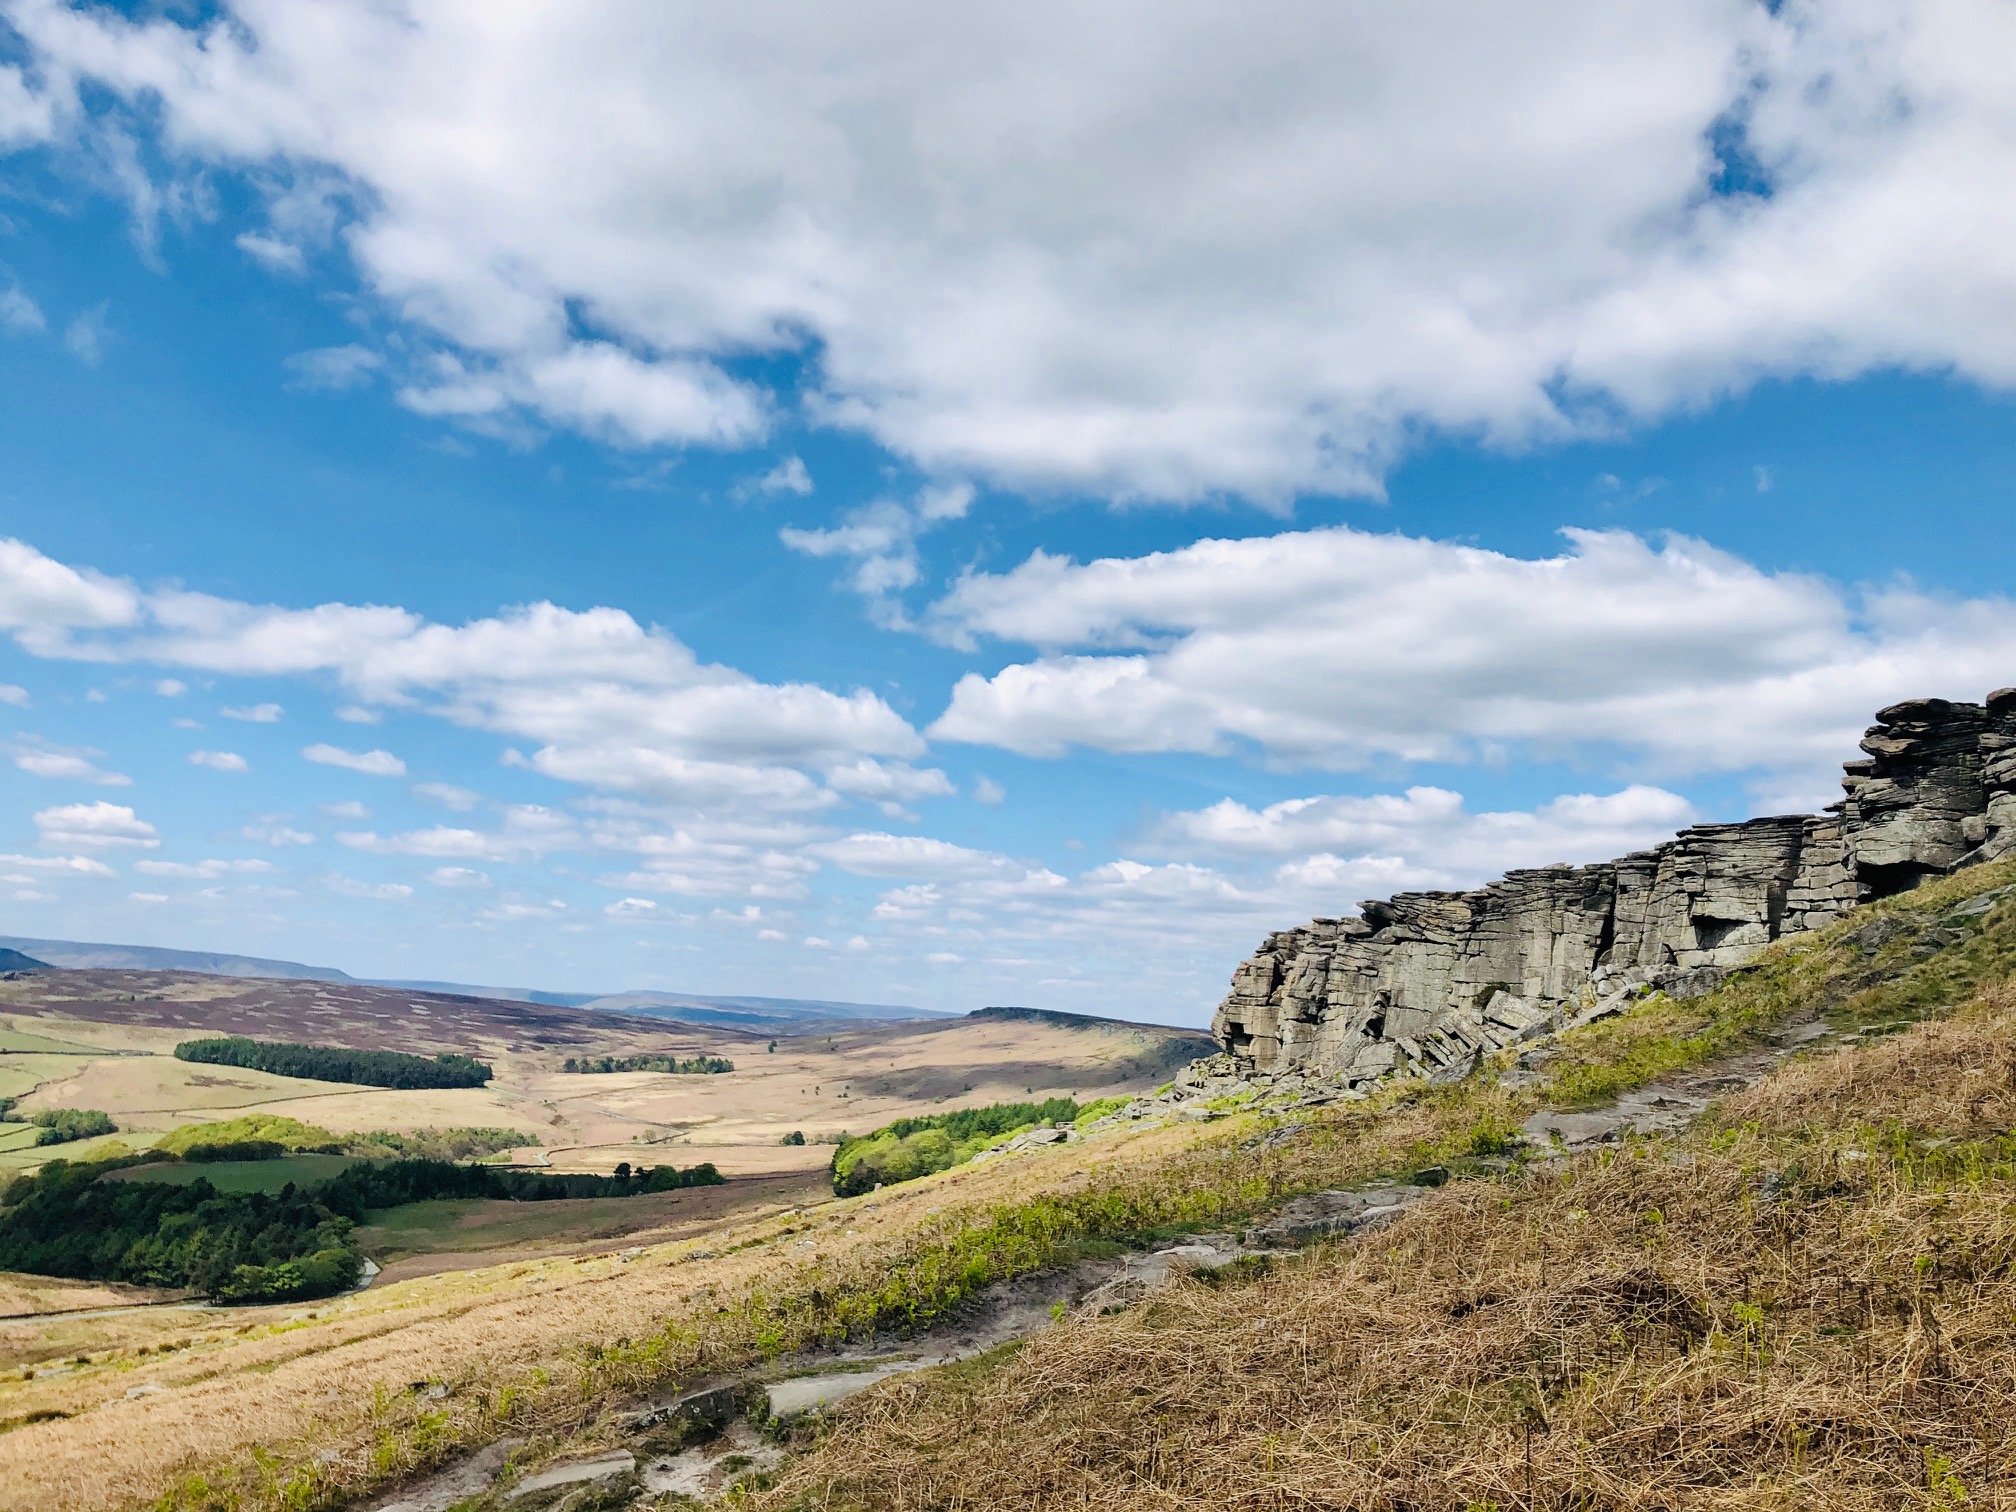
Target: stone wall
x: 1422, y: 981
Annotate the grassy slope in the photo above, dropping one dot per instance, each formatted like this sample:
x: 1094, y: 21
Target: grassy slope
x: 289, y: 1414
x: 1806, y: 1302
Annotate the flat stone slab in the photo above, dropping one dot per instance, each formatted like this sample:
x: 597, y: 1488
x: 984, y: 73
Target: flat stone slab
x: 601, y: 1467
x: 795, y: 1398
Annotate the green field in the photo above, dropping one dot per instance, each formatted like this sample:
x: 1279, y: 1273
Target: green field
x: 15, y: 1042
x: 243, y: 1175
x: 17, y: 1136
x: 452, y: 1225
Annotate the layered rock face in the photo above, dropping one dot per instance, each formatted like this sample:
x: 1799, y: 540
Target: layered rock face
x: 1423, y: 981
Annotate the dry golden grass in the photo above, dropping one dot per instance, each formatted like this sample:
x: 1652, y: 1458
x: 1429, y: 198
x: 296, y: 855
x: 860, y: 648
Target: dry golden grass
x: 1667, y: 1327
x: 322, y: 1390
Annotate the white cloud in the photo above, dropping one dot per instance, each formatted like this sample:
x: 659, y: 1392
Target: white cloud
x: 85, y: 337
x: 632, y: 908
x: 1432, y: 828
x: 265, y: 713
x: 333, y: 368
x: 788, y: 476
x: 94, y: 826
x: 13, y: 693
x: 449, y: 796
x: 608, y: 702
x: 69, y: 765
x: 350, y: 887
x: 816, y: 942
x: 1229, y: 250
x: 348, y: 809
x: 273, y: 830
x: 986, y: 790
x: 881, y: 538
x: 884, y: 855
x: 371, y: 763
x: 944, y: 958
x: 1339, y: 648
x: 41, y: 599
x: 271, y: 252
x: 171, y: 687
x: 457, y: 876
x: 528, y: 833
x: 219, y: 761
x: 19, y: 314
x: 147, y: 897
x: 356, y: 714
x: 771, y: 934
x: 85, y: 866
x: 203, y: 869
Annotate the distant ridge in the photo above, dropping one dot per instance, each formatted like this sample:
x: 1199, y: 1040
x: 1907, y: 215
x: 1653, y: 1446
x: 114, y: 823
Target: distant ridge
x: 79, y: 955
x: 13, y: 960
x: 766, y: 1015
x: 1063, y: 1020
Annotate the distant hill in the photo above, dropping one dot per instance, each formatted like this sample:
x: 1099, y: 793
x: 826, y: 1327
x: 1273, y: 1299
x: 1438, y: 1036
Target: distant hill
x: 78, y: 955
x: 775, y: 1015
x: 761, y: 1015
x: 13, y: 960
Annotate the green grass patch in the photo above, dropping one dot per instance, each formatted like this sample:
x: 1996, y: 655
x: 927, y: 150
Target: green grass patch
x: 268, y: 1176
x: 17, y: 1042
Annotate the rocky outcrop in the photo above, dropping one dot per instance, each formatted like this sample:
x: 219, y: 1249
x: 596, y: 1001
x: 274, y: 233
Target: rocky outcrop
x: 1426, y: 982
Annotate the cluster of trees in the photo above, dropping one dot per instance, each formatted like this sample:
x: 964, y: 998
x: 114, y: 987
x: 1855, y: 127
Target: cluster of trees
x: 693, y: 1065
x: 438, y: 1144
x: 369, y: 1068
x: 913, y: 1147
x: 68, y: 1220
x: 242, y: 1247
x: 394, y: 1183
x: 61, y: 1125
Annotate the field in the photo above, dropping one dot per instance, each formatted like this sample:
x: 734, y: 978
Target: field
x: 104, y: 1040
x: 244, y: 1175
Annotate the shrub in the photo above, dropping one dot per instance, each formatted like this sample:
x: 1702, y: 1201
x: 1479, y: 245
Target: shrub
x: 62, y: 1125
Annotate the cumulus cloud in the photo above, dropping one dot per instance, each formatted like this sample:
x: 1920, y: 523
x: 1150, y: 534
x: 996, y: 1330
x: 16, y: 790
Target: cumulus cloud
x: 40, y: 759
x: 449, y: 796
x: 350, y: 887
x: 881, y: 540
x: 219, y: 761
x: 19, y: 314
x: 84, y: 866
x: 608, y: 702
x: 203, y: 869
x: 14, y: 694
x: 274, y: 830
x: 1233, y: 250
x: 1431, y: 828
x: 1341, y: 648
x: 371, y: 763
x: 336, y: 368
x: 527, y: 833
x: 789, y: 476
x: 265, y: 713
x: 94, y: 826
x: 458, y: 876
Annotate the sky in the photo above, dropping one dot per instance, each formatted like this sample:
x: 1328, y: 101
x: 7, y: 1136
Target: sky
x: 966, y: 505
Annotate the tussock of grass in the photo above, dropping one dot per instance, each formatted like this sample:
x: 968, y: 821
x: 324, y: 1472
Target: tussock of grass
x: 1748, y: 1319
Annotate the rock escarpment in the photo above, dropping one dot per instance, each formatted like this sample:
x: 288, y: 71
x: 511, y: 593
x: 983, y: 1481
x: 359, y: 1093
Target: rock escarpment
x: 1426, y: 981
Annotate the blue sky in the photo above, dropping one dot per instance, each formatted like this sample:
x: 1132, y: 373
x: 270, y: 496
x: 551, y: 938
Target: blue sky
x: 1020, y: 511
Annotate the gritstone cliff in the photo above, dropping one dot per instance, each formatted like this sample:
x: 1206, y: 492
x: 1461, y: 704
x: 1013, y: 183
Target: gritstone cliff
x: 1424, y: 981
